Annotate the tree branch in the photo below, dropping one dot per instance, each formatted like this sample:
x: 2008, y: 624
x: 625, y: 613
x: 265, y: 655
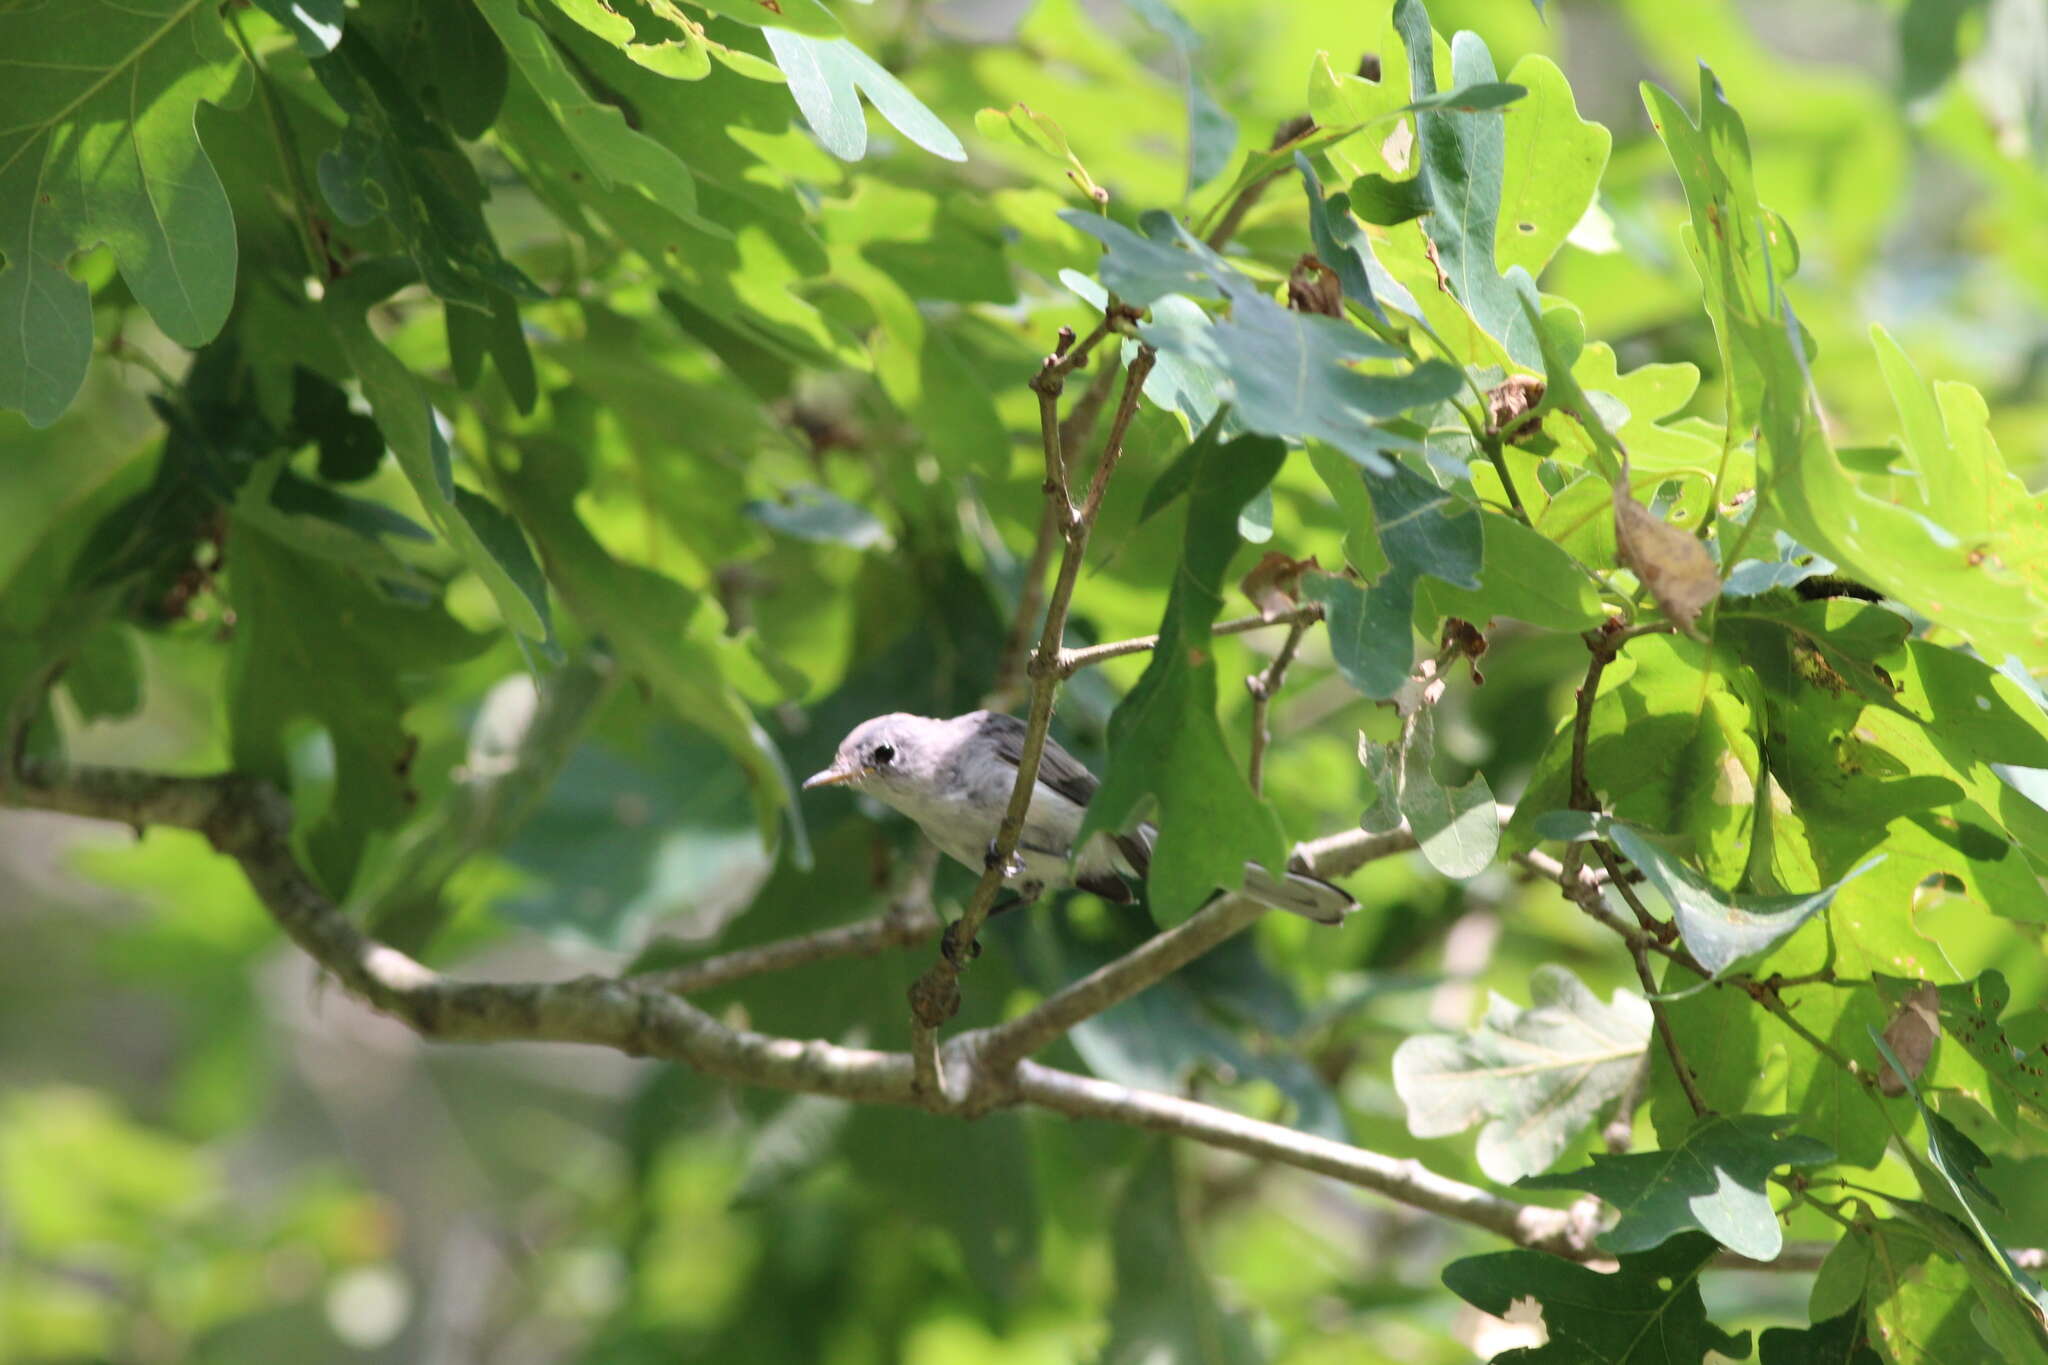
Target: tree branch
x: 1072, y: 661
x: 251, y: 822
x: 909, y: 920
x: 1262, y: 686
x: 935, y: 996
x: 1071, y: 432
x: 1163, y: 954
x: 1407, y: 1181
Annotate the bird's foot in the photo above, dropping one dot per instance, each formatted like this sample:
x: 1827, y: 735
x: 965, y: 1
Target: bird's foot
x: 954, y: 951
x: 1012, y: 867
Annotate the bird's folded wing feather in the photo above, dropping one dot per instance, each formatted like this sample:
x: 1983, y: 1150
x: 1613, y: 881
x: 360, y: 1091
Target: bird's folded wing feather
x: 1057, y: 768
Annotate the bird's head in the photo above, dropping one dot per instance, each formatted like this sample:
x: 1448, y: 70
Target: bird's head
x: 889, y: 754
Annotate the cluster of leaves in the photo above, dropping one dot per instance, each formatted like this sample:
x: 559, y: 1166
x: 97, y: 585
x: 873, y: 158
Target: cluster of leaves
x: 552, y: 338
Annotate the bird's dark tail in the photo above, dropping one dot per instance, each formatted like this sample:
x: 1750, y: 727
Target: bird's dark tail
x: 1304, y: 895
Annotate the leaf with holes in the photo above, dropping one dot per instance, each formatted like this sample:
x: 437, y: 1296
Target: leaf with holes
x: 1534, y: 1077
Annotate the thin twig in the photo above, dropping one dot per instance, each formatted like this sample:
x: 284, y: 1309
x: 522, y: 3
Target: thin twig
x: 909, y: 919
x: 1262, y: 686
x: 1686, y: 1080
x: 1165, y: 953
x: 935, y: 996
x: 1649, y: 923
x: 1071, y: 432
x: 1072, y: 661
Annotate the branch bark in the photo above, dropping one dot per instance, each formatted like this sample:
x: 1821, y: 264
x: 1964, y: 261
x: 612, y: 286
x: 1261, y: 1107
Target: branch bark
x: 1163, y: 954
x: 251, y: 822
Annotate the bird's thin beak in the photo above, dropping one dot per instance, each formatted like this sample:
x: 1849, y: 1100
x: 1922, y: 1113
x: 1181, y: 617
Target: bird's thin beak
x: 834, y: 777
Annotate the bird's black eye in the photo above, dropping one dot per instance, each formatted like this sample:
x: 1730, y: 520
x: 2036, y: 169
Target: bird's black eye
x: 882, y: 755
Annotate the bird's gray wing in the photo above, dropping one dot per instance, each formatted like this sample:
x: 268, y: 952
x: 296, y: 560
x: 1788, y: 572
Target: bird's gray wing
x: 1057, y: 768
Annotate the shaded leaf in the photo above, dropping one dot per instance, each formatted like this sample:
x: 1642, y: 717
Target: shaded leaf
x: 1165, y: 1309
x: 1457, y: 828
x: 1843, y: 1339
x: 1165, y: 744
x: 1648, y: 1311
x: 659, y: 629
x: 393, y: 161
x: 315, y: 643
x: 410, y: 427
x: 616, y: 153
x: 1714, y: 1181
x: 1422, y: 530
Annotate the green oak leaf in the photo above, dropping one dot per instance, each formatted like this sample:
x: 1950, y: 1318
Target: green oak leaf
x: 410, y: 427
x: 1673, y: 745
x: 1165, y: 1308
x: 1462, y: 169
x: 1721, y: 929
x: 1957, y: 1161
x: 1526, y: 576
x: 101, y: 145
x: 1183, y: 1026
x: 1647, y: 1311
x: 1456, y: 828
x: 620, y: 156
x: 1977, y: 560
x: 1422, y: 530
x: 1919, y: 1275
x: 1843, y: 1339
x: 1533, y: 1076
x: 1551, y: 168
x: 1165, y: 744
x: 316, y: 642
x: 827, y: 77
x: 1746, y: 1060
x: 659, y: 629
x: 1713, y: 1180
x: 1140, y: 269
x: 1971, y: 1014
x: 396, y: 162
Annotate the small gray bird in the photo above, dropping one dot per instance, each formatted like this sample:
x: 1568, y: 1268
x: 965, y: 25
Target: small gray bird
x: 953, y: 777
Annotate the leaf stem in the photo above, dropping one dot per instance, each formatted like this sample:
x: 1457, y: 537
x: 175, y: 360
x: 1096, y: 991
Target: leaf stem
x: 1263, y: 686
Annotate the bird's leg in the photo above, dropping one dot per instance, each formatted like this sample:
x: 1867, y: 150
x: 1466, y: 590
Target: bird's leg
x: 1014, y: 867
x: 1010, y: 899
x: 949, y: 944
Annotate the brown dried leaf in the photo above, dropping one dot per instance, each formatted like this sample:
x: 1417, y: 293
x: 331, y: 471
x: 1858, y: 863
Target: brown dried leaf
x: 1510, y: 399
x: 1313, y: 288
x: 1911, y: 1037
x: 1678, y: 570
x: 1273, y: 584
